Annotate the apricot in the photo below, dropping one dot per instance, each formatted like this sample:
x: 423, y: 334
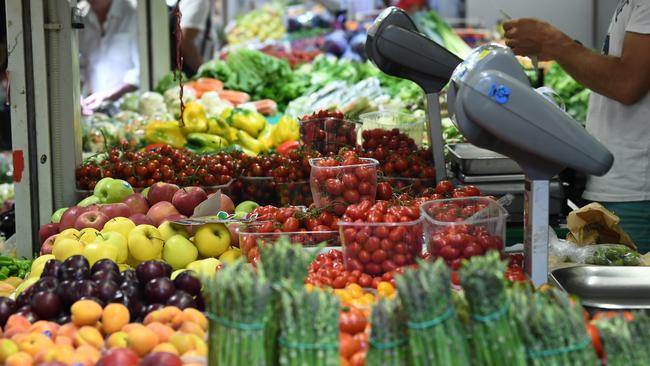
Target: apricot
x: 90, y: 336
x: 16, y: 324
x: 165, y: 347
x: 194, y: 316
x: 19, y: 359
x: 50, y: 329
x: 68, y: 330
x: 192, y: 328
x: 162, y: 331
x: 118, y: 340
x: 114, y: 317
x: 182, y: 342
x: 63, y: 341
x: 142, y: 340
x: 85, y: 312
x: 127, y: 328
x: 33, y: 343
x: 88, y: 352
x: 61, y: 353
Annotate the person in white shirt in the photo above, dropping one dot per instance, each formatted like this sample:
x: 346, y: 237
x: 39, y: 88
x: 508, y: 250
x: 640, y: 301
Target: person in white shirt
x: 108, y: 46
x: 619, y: 109
x: 198, y: 41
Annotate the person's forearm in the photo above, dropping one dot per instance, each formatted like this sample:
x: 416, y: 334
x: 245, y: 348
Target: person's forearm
x: 605, y: 75
x: 123, y: 89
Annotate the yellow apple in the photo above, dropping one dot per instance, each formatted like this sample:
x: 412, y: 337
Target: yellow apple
x: 117, y: 241
x: 212, y: 240
x: 87, y: 235
x: 96, y: 251
x: 38, y: 264
x: 177, y: 272
x: 230, y: 256
x: 168, y: 229
x: 206, y: 267
x: 67, y: 233
x: 122, y: 225
x: 179, y: 252
x: 145, y: 243
x: 67, y: 247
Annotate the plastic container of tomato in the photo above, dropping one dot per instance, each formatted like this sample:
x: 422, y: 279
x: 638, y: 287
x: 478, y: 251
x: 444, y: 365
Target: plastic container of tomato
x: 327, y: 135
x: 410, y: 125
x: 266, y: 191
x: 250, y: 238
x: 413, y: 186
x: 340, y: 186
x: 295, y: 193
x: 377, y: 248
x: 460, y: 228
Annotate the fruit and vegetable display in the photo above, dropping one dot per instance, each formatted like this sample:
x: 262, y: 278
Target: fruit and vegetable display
x: 259, y: 25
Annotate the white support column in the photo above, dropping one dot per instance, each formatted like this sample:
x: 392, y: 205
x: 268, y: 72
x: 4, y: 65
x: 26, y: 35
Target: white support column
x: 153, y: 42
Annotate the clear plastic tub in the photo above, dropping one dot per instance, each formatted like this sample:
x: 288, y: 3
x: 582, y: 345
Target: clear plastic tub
x: 460, y: 228
x: 408, y: 124
x: 413, y: 186
x: 266, y: 191
x: 295, y: 193
x: 339, y: 186
x: 250, y: 238
x: 328, y: 135
x: 377, y: 248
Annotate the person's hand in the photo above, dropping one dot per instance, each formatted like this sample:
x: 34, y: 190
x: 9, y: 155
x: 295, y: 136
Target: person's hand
x: 94, y: 100
x: 533, y: 37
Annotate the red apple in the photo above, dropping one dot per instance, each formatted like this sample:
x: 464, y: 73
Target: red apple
x: 48, y: 244
x: 93, y: 219
x: 161, y: 359
x: 137, y: 203
x: 161, y: 210
x: 160, y: 192
x: 234, y: 236
x: 93, y: 207
x: 186, y: 199
x: 119, y: 357
x: 70, y: 216
x: 46, y: 231
x: 227, y: 204
x: 141, y: 219
x: 115, y: 210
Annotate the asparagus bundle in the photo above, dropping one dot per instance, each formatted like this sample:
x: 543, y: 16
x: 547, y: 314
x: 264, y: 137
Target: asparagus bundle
x: 435, y: 336
x: 309, y: 327
x: 388, y: 335
x: 640, y: 332
x: 624, y: 342
x: 283, y: 261
x: 552, y: 328
x: 237, y: 300
x: 495, y: 339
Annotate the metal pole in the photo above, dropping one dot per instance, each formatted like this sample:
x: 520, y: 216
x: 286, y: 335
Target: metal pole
x: 435, y: 135
x: 536, y: 211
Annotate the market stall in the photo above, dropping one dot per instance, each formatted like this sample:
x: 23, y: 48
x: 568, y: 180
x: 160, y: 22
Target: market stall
x: 284, y: 207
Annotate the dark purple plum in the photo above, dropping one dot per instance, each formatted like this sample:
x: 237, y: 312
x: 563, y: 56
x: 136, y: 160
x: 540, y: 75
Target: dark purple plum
x: 153, y: 307
x: 129, y: 276
x: 52, y: 268
x: 189, y: 283
x: 130, y: 290
x: 28, y: 313
x: 66, y: 292
x: 167, y: 269
x: 159, y: 290
x: 103, y: 276
x: 181, y: 300
x: 63, y: 319
x: 46, y: 304
x: 7, y: 307
x: 105, y: 265
x: 83, y: 288
x: 200, y: 302
x: 25, y: 297
x: 149, y: 270
x: 46, y: 284
x: 77, y: 262
x: 73, y: 274
x: 106, y: 290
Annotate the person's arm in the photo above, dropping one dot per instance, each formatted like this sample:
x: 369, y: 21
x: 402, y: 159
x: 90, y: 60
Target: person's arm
x: 191, y: 55
x: 625, y: 79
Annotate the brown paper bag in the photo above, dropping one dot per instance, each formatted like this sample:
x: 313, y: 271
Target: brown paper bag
x: 594, y: 224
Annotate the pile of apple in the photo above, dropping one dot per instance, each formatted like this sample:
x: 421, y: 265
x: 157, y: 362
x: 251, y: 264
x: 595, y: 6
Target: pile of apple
x: 128, y: 228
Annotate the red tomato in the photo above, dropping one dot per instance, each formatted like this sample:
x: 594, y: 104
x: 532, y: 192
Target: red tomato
x: 352, y: 249
x: 364, y: 256
x: 448, y: 252
x: 384, y: 191
x: 334, y: 186
x: 362, y: 337
x: 287, y: 147
x: 397, y: 233
x: 471, y: 250
x: 352, y: 321
x: 348, y: 345
x: 455, y: 278
x: 365, y: 280
x: 472, y: 191
x: 443, y: 187
x: 381, y: 232
x: 372, y: 244
x: 358, y: 359
x: 339, y: 282
x: 290, y: 225
x: 373, y: 269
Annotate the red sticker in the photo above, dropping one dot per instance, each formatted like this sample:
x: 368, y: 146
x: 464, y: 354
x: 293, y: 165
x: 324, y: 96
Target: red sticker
x: 19, y: 165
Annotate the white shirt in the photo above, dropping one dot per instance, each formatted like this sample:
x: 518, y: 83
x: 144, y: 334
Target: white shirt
x: 194, y: 14
x: 110, y: 59
x: 624, y: 130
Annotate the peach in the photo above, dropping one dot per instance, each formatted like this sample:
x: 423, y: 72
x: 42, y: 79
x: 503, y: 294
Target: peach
x: 19, y: 359
x: 63, y: 341
x: 50, y: 329
x: 199, y: 345
x: 59, y: 353
x: 118, y: 340
x: 85, y: 312
x: 194, y: 316
x: 32, y: 343
x: 90, y: 352
x: 192, y: 328
x: 16, y: 324
x: 115, y: 317
x: 88, y: 335
x: 162, y: 331
x: 127, y: 328
x: 142, y: 340
x: 68, y: 330
x: 165, y: 347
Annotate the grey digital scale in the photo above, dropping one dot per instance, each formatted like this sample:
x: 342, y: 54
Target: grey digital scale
x: 492, y: 103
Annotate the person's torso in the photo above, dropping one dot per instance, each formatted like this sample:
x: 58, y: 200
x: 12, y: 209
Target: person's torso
x: 106, y: 49
x: 625, y: 130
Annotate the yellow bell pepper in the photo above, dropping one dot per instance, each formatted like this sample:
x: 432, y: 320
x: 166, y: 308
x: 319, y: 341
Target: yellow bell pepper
x: 287, y: 129
x: 194, y: 118
x: 165, y: 132
x: 217, y: 126
x: 250, y: 121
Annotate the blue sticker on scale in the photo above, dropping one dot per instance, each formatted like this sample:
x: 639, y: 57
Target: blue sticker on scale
x: 500, y: 93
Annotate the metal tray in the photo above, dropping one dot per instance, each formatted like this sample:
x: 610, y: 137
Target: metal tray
x: 490, y: 178
x: 606, y: 287
x: 473, y: 160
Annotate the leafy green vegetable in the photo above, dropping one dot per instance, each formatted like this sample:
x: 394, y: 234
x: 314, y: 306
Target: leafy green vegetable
x: 168, y: 81
x: 436, y: 28
x: 574, y: 94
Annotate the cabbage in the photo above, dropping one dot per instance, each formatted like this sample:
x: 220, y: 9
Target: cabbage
x: 129, y: 102
x: 151, y: 103
x: 213, y: 104
x: 173, y: 99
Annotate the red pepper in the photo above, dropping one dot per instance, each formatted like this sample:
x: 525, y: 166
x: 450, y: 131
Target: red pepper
x: 287, y: 147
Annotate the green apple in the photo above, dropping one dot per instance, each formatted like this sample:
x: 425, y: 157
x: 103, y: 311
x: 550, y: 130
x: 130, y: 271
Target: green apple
x: 145, y: 192
x: 96, y: 251
x: 168, y: 229
x: 87, y: 235
x: 206, y: 267
x: 246, y: 207
x: 122, y: 225
x: 179, y: 252
x: 230, y: 256
x: 67, y: 247
x: 67, y: 233
x: 212, y: 240
x: 113, y: 190
x: 56, y: 216
x: 90, y: 200
x: 145, y: 243
x: 117, y: 241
